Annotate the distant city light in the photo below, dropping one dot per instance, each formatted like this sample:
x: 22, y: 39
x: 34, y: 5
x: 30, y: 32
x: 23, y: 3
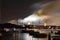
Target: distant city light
x: 45, y: 24
x: 33, y: 19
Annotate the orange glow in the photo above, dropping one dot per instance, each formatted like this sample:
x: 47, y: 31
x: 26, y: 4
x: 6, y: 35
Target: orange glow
x: 45, y: 24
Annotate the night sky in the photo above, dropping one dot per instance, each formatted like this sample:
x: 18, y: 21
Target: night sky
x: 15, y: 9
